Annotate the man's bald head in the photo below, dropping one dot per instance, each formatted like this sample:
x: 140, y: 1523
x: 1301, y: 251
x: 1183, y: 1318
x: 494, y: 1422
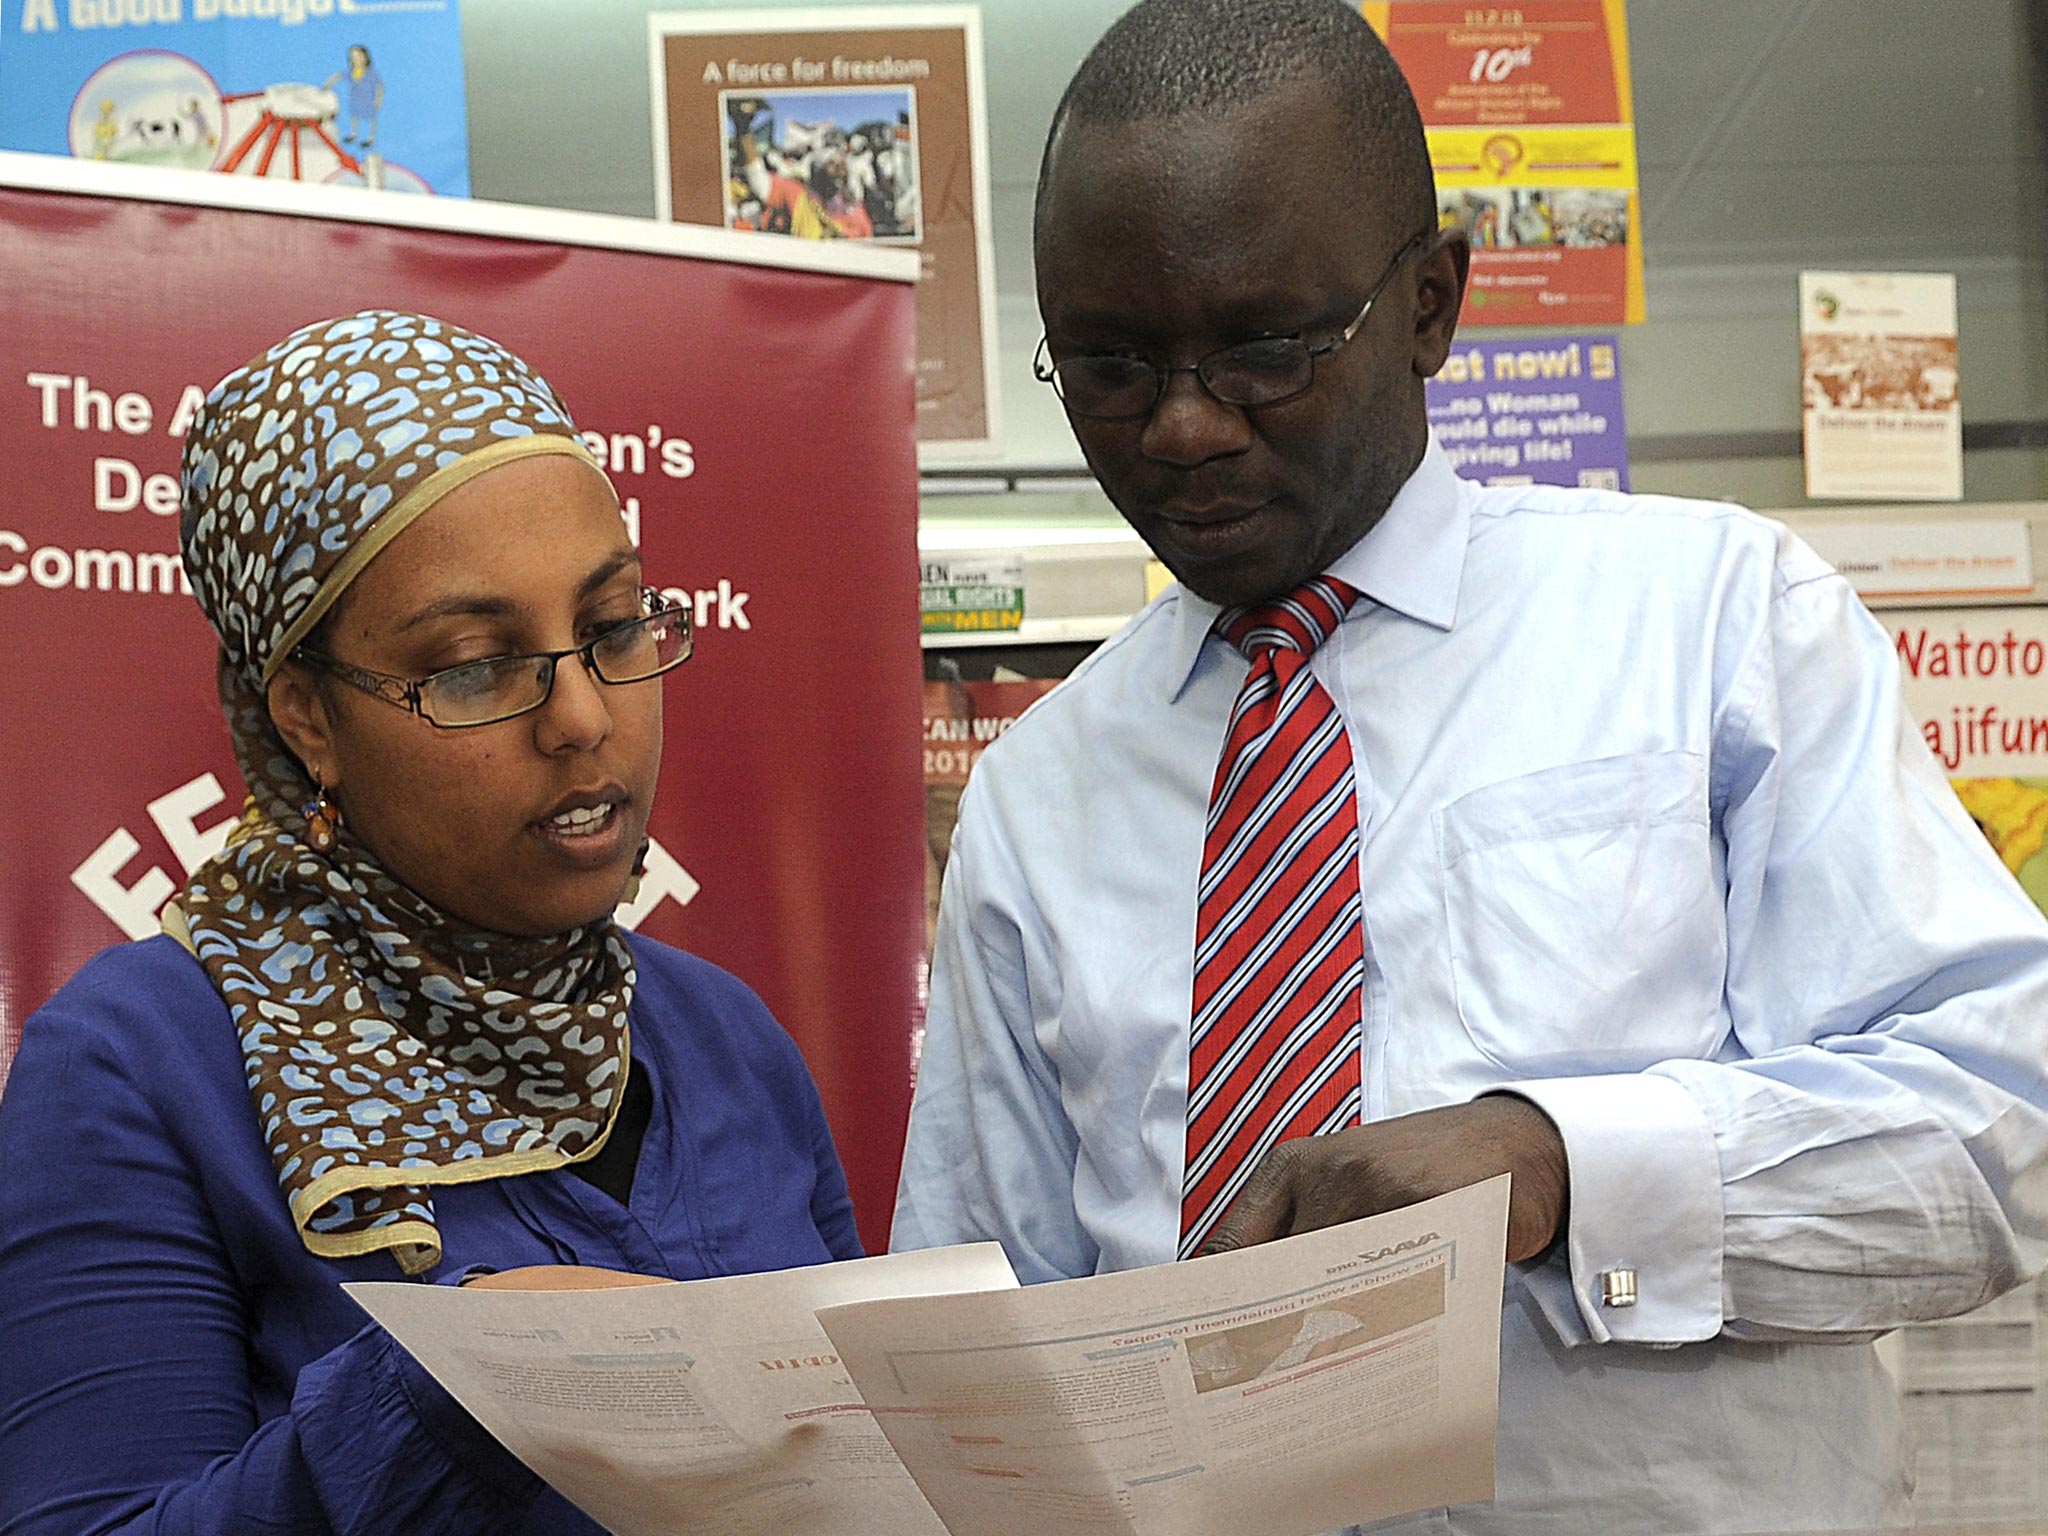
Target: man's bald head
x: 1168, y: 58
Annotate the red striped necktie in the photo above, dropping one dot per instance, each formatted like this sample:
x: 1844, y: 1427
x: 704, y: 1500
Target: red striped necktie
x: 1273, y: 1052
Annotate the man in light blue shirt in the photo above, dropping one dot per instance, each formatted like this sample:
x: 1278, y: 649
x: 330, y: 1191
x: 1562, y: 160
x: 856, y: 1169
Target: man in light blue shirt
x: 1666, y: 909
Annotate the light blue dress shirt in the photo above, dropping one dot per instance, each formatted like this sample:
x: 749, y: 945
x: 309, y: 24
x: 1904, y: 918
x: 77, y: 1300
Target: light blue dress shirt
x: 1649, y: 839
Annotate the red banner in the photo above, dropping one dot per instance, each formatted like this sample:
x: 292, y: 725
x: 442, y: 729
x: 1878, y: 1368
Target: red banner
x: 755, y: 411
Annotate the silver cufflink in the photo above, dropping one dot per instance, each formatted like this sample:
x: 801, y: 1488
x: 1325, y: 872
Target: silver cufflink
x: 1617, y: 1287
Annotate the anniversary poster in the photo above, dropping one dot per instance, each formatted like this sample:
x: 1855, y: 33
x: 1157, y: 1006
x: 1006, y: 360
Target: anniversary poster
x: 1532, y: 136
x: 318, y: 91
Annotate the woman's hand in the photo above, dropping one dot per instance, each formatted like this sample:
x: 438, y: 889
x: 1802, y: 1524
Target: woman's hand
x: 561, y: 1277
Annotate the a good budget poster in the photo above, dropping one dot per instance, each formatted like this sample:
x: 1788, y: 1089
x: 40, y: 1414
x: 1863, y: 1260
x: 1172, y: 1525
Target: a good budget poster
x: 357, y: 93
x: 788, y: 824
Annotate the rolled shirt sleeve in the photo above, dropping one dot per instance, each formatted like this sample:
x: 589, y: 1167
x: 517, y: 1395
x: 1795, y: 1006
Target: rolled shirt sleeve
x: 1877, y: 1154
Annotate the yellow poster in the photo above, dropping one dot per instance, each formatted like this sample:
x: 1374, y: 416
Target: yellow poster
x: 1532, y: 138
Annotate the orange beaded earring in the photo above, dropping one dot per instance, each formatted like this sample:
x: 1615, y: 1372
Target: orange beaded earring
x: 323, y: 820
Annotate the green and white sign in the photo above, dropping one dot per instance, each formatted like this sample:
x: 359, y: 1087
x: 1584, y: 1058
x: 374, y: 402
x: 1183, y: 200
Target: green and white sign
x: 971, y: 594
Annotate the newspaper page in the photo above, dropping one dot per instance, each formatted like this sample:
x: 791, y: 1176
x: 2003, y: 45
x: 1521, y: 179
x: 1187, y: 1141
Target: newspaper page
x: 1329, y: 1379
x: 714, y: 1406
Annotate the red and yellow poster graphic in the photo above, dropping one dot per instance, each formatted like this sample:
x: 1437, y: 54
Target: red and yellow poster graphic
x: 2013, y: 814
x: 1533, y: 140
x: 1977, y: 681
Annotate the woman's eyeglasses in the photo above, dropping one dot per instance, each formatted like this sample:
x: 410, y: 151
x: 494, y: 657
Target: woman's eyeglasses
x: 501, y: 687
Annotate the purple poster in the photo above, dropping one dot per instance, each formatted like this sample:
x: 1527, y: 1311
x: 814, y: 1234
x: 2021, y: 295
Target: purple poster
x: 1533, y: 412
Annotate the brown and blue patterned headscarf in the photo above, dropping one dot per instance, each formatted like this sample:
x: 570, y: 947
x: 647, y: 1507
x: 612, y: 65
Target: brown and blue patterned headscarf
x: 388, y: 1047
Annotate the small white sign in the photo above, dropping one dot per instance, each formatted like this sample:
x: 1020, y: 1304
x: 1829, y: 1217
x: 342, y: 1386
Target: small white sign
x: 1880, y: 385
x: 1979, y: 557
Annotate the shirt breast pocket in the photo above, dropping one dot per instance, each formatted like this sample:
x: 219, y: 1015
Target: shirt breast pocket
x: 1586, y: 917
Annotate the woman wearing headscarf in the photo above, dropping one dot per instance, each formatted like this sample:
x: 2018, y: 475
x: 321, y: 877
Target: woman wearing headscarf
x: 392, y: 1028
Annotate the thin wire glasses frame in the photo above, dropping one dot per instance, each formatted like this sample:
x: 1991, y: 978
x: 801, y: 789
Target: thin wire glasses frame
x: 1264, y: 371
x: 477, y: 692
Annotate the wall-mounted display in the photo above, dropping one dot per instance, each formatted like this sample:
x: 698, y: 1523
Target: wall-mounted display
x: 1525, y: 412
x: 1880, y: 385
x: 1931, y: 558
x: 847, y: 124
x: 971, y: 594
x: 292, y: 90
x: 1977, y: 680
x: 1532, y: 136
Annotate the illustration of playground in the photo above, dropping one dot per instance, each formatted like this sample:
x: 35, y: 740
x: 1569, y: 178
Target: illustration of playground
x: 156, y: 107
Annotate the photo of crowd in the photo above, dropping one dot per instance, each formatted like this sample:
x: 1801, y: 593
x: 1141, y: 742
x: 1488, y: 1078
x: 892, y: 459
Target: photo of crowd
x: 1851, y: 372
x: 823, y: 165
x: 1510, y: 218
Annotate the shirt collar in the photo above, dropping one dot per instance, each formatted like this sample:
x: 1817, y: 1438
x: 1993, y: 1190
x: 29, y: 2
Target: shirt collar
x: 1412, y: 561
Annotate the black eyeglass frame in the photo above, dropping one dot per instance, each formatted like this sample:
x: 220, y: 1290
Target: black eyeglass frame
x: 1047, y: 371
x: 408, y: 693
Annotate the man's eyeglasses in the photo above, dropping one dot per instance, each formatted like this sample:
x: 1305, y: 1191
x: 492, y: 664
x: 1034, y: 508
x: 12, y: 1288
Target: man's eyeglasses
x: 1109, y: 387
x: 500, y: 687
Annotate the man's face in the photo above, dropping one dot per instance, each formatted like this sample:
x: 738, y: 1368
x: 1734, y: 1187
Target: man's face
x: 1171, y: 238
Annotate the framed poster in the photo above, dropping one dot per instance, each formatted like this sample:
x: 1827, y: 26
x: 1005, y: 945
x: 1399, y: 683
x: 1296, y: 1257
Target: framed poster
x: 847, y: 125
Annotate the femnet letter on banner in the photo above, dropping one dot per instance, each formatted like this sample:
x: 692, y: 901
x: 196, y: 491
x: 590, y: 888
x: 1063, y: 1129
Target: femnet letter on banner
x: 1325, y: 1380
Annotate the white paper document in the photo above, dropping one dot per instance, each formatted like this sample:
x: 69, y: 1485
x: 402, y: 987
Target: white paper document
x: 1329, y: 1379
x: 1334, y: 1378
x: 714, y: 1406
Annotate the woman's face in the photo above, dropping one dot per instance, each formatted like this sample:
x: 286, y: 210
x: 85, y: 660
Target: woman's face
x: 493, y: 823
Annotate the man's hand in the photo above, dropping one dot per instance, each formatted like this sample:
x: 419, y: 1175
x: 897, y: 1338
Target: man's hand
x: 1319, y: 1181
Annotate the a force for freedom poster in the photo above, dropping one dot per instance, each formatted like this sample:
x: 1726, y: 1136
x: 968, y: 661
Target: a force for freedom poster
x: 847, y: 125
